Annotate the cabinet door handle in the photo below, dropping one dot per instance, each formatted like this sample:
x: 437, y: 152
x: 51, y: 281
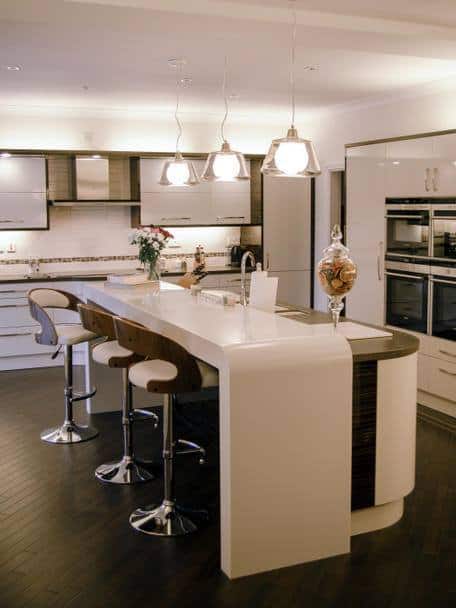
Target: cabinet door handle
x: 230, y: 217
x: 427, y: 177
x: 14, y: 305
x: 28, y: 333
x: 168, y: 219
x: 435, y: 180
x: 11, y: 221
x: 447, y: 353
x: 445, y: 371
x: 379, y: 260
x: 267, y: 261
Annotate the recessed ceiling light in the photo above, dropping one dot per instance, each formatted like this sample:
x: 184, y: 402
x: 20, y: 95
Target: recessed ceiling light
x: 96, y: 155
x: 5, y: 154
x: 186, y: 82
x: 14, y: 68
x: 396, y: 162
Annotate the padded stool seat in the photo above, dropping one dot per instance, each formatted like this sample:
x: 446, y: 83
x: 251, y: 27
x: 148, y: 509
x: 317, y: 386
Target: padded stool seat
x: 156, y: 370
x: 73, y: 334
x: 112, y: 354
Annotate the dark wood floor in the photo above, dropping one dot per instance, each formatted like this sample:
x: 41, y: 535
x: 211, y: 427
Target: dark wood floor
x: 65, y: 539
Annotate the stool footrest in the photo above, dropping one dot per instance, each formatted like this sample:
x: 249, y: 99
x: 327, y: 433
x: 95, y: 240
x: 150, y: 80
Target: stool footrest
x: 77, y: 396
x: 139, y: 415
x: 189, y: 447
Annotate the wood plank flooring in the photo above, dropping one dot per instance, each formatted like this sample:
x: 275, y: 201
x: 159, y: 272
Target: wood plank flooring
x: 65, y: 540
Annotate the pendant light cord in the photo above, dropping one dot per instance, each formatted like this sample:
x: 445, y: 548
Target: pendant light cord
x: 292, y: 66
x: 222, y: 126
x: 176, y: 113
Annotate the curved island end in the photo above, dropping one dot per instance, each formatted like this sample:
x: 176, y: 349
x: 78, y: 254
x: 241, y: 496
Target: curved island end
x: 383, y: 425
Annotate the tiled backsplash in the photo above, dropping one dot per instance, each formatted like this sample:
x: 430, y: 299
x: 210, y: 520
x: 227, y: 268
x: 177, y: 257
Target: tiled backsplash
x: 99, y: 235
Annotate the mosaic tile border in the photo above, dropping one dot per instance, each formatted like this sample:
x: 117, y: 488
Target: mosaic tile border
x: 106, y: 258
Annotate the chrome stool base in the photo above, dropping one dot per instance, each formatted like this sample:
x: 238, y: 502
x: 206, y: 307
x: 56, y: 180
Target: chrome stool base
x: 164, y: 520
x: 125, y: 471
x: 68, y: 433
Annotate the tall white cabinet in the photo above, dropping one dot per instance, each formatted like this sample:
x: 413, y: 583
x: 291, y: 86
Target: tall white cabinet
x: 366, y: 173
x: 287, y: 236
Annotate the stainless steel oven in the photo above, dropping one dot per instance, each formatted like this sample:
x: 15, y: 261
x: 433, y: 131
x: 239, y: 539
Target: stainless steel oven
x: 443, y: 237
x: 407, y: 291
x: 407, y: 231
x: 443, y: 295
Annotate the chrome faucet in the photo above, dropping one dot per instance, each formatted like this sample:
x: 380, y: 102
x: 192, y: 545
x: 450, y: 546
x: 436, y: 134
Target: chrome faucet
x: 247, y: 254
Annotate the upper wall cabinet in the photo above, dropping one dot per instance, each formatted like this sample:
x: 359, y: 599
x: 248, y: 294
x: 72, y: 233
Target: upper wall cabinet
x: 409, y: 167
x: 231, y: 201
x: 422, y: 167
x: 204, y: 203
x: 23, y: 201
x: 444, y: 166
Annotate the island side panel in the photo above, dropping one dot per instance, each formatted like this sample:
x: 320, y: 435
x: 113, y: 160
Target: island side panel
x: 285, y: 450
x: 396, y: 428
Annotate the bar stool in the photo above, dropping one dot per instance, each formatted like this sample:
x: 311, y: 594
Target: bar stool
x: 168, y: 370
x: 127, y: 470
x: 66, y: 336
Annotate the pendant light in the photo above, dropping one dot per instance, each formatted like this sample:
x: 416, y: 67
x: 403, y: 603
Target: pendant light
x: 178, y: 171
x: 291, y: 156
x: 226, y: 165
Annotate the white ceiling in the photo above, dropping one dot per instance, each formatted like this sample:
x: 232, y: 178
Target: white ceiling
x: 365, y: 50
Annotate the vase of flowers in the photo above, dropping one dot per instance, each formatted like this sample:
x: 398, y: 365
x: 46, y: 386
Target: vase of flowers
x: 151, y: 241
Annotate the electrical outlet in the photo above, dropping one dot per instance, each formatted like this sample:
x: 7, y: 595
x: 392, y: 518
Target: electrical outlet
x: 11, y: 247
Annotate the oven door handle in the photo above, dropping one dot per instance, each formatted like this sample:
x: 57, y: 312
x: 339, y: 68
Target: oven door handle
x: 406, y: 276
x: 434, y: 280
x: 409, y: 216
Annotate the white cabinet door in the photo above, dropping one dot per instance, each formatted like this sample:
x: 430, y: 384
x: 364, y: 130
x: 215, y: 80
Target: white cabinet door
x: 23, y: 174
x: 172, y: 205
x: 293, y: 287
x: 231, y: 201
x: 286, y: 209
x: 366, y: 231
x: 409, y: 166
x: 444, y: 166
x: 175, y: 208
x: 19, y: 211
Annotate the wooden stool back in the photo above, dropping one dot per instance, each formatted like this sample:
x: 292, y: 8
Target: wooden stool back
x: 152, y: 346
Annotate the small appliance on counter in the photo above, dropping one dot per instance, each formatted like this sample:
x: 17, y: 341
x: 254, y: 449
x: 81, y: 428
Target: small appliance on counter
x: 237, y: 251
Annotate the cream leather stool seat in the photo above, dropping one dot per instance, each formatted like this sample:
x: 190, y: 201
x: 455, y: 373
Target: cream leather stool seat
x: 108, y: 353
x: 73, y: 334
x: 157, y: 370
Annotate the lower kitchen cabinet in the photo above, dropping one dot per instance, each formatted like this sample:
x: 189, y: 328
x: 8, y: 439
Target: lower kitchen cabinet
x: 18, y: 348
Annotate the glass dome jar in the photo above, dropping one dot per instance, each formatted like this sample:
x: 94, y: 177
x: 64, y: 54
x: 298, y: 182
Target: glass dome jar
x: 337, y: 273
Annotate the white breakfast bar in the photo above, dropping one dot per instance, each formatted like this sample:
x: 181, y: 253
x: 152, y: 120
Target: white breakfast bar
x: 317, y: 428
x: 285, y: 423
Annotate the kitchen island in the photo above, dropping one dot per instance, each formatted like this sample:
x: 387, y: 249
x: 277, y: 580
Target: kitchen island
x: 286, y: 393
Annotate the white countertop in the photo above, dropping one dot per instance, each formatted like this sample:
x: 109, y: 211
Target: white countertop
x: 219, y: 325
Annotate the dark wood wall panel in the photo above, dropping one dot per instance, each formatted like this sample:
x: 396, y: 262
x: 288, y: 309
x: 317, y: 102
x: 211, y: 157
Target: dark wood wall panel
x: 364, y: 434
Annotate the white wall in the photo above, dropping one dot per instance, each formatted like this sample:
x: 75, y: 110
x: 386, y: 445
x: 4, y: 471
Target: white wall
x: 434, y: 111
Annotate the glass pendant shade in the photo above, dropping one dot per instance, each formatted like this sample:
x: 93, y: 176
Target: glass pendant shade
x: 225, y: 166
x: 291, y: 156
x: 178, y: 172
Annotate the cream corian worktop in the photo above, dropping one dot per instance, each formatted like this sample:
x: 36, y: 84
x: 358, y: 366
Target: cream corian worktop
x: 285, y: 423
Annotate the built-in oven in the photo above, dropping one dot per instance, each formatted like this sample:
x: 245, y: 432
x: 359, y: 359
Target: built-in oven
x: 407, y: 230
x: 444, y: 232
x: 407, y: 291
x: 443, y: 294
